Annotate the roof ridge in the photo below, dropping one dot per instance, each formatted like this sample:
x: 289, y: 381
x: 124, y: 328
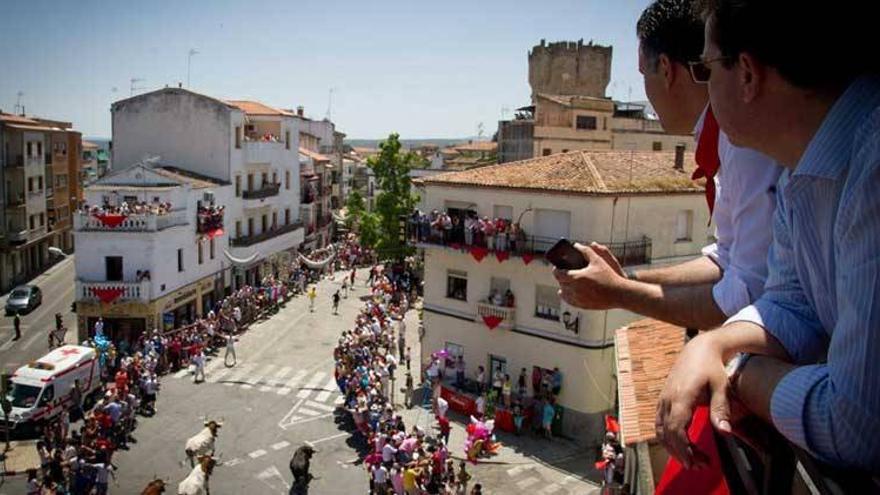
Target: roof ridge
x: 591, y: 168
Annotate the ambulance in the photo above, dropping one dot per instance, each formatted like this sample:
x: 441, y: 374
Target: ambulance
x: 41, y: 390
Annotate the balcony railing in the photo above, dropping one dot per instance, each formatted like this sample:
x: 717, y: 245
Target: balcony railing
x: 266, y: 191
x: 130, y: 291
x: 265, y: 236
x: 132, y: 223
x: 629, y: 253
x: 15, y: 201
x: 507, y: 315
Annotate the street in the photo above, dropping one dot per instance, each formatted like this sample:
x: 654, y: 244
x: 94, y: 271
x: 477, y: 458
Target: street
x: 58, y: 288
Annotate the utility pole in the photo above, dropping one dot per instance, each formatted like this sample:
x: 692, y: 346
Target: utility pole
x: 192, y: 51
x: 19, y: 108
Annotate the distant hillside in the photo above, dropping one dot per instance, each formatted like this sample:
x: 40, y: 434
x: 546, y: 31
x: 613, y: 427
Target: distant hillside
x: 408, y: 143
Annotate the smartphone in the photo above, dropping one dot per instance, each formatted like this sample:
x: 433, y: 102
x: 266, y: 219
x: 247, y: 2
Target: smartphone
x: 564, y: 256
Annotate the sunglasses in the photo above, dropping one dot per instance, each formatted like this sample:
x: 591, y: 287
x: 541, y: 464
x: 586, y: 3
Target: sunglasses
x: 701, y: 70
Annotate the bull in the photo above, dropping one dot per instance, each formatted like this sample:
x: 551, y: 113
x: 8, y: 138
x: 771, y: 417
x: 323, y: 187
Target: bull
x: 203, y: 442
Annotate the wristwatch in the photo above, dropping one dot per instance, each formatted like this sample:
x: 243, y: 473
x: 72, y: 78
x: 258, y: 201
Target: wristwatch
x: 735, y: 366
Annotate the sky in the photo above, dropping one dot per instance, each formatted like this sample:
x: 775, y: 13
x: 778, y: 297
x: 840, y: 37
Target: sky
x: 422, y: 69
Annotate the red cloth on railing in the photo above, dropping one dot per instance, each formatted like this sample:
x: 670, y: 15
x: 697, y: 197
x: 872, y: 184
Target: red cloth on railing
x: 111, y: 220
x: 492, y: 321
x: 479, y: 252
x: 457, y: 401
x: 611, y: 424
x: 108, y: 294
x: 709, y: 480
x: 527, y: 258
x: 214, y: 233
x: 502, y: 255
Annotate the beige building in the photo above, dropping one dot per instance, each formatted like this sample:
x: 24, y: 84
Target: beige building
x: 641, y: 204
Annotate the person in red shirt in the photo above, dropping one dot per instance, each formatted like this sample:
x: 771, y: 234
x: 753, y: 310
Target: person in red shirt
x: 121, y: 382
x: 445, y: 428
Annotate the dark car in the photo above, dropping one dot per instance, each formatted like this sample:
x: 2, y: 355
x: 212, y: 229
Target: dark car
x: 23, y: 299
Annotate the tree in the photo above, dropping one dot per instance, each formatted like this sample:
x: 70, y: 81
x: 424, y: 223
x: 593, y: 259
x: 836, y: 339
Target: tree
x: 368, y: 230
x: 355, y: 207
x: 395, y: 200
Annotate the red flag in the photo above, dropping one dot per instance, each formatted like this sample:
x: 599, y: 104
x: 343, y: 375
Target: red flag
x: 502, y: 255
x: 492, y: 321
x: 527, y: 258
x: 479, y: 253
x: 111, y: 220
x: 709, y: 480
x: 611, y: 424
x: 108, y: 294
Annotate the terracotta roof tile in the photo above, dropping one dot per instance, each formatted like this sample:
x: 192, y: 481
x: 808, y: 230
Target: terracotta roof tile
x: 646, y: 351
x: 257, y: 108
x: 477, y: 146
x: 583, y: 172
x: 17, y: 119
x: 314, y: 155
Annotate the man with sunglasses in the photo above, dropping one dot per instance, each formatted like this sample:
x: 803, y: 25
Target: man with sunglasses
x: 805, y: 357
x: 740, y: 187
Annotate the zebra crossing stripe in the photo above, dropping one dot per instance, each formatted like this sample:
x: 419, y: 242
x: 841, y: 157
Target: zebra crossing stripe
x: 280, y: 445
x: 309, y: 412
x: 256, y: 377
x: 283, y: 391
x: 515, y: 470
x: 339, y: 401
x: 523, y: 484
x: 217, y: 375
x: 312, y: 383
x: 550, y: 489
x: 279, y: 377
x: 296, y: 378
x: 236, y: 377
x: 318, y: 405
x: 329, y: 388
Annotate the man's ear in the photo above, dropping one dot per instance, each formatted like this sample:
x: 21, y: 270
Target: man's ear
x: 667, y: 70
x: 751, y: 75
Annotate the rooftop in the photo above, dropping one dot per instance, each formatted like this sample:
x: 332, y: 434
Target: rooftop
x: 573, y: 100
x: 197, y: 181
x: 584, y: 172
x: 256, y: 108
x: 314, y: 155
x: 646, y: 351
x: 88, y: 145
x: 11, y: 118
x: 477, y: 146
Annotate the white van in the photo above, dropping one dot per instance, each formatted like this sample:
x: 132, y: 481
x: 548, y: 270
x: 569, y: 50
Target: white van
x: 41, y: 390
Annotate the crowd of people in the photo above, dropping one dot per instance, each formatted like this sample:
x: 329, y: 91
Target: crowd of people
x: 210, y: 217
x: 466, y: 228
x: 399, y: 460
x: 127, y: 208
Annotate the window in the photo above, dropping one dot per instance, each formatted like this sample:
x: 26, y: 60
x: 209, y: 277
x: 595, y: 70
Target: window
x: 40, y: 183
x: 30, y: 184
x: 587, y: 122
x: 237, y: 186
x: 201, y: 255
x: 264, y: 178
x: 456, y: 285
x: 287, y: 216
x: 683, y: 224
x: 250, y: 183
x: 547, y: 302
x: 211, y: 248
x: 274, y: 177
x: 61, y: 180
x: 546, y: 152
x: 42, y: 219
x: 264, y: 222
x: 287, y: 139
x: 274, y: 219
x: 287, y: 179
x: 32, y: 222
x: 39, y: 149
x: 180, y: 260
x: 238, y: 137
x: 113, y: 267
x: 250, y: 227
x: 237, y: 229
x: 658, y: 146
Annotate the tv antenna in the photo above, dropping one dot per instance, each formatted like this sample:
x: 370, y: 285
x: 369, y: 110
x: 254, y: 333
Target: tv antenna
x: 504, y: 111
x: 133, y: 87
x: 480, y: 131
x: 329, y: 114
x: 19, y: 108
x: 189, y: 56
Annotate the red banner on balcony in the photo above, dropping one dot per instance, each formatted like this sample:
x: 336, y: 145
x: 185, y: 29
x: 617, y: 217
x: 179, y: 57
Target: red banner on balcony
x: 611, y: 424
x: 492, y: 321
x: 108, y: 294
x: 502, y: 255
x: 111, y: 220
x: 213, y: 233
x: 479, y: 253
x: 455, y: 246
x: 527, y: 258
x: 710, y: 480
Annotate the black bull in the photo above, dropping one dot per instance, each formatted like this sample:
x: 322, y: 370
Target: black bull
x: 299, y: 464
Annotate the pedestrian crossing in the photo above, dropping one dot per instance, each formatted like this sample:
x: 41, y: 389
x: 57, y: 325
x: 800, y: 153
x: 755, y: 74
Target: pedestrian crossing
x: 528, y: 478
x: 314, y: 389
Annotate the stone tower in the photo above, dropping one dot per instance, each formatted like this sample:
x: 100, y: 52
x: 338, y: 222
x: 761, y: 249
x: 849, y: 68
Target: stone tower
x: 569, y: 68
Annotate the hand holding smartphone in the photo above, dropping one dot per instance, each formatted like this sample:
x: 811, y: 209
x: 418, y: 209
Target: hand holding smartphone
x: 564, y: 256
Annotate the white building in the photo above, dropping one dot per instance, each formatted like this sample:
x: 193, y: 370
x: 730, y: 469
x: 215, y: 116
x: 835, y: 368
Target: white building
x: 155, y: 269
x: 640, y: 204
x: 252, y: 146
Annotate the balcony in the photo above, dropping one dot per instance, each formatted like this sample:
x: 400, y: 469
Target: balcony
x: 210, y: 219
x: 16, y: 161
x: 15, y: 201
x: 112, y: 291
x: 267, y: 191
x: 630, y: 253
x: 85, y: 222
x: 263, y: 151
x: 265, y: 236
x: 487, y: 311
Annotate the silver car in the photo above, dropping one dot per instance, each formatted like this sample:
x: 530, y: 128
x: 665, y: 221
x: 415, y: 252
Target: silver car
x: 23, y: 299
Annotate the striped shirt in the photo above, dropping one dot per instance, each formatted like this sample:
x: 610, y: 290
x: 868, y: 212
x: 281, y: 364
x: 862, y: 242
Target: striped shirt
x: 822, y: 298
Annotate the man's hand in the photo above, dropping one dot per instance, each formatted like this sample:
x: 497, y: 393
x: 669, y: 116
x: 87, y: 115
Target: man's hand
x: 595, y: 287
x: 697, y: 378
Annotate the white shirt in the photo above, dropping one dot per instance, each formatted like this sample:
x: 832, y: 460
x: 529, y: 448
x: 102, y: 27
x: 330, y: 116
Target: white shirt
x: 745, y: 199
x: 388, y: 452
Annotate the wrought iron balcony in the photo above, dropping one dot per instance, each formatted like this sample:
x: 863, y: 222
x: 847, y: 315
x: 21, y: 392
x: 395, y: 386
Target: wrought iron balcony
x: 101, y: 291
x: 268, y: 190
x: 506, y: 314
x: 264, y: 236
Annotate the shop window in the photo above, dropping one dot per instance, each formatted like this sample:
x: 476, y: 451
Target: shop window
x: 453, y: 351
x: 547, y: 302
x: 456, y: 285
x: 180, y: 260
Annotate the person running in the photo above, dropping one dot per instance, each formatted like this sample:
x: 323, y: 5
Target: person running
x: 336, y: 303
x: 312, y: 295
x: 198, y: 361
x: 16, y: 324
x: 345, y: 287
x: 230, y: 350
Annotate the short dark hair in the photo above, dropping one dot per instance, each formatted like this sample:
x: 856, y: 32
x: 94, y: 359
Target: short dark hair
x: 813, y: 45
x: 671, y: 27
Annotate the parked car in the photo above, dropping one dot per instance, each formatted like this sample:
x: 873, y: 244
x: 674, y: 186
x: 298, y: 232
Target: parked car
x: 23, y: 299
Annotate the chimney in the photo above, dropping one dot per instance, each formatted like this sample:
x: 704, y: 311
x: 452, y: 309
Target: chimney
x: 300, y: 111
x: 679, y: 156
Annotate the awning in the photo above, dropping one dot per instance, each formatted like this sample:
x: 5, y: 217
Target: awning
x: 241, y: 261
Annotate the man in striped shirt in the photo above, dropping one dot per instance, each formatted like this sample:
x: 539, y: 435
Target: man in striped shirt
x: 807, y: 353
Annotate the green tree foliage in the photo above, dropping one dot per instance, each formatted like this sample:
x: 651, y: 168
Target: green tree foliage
x: 395, y: 200
x: 355, y: 208
x: 369, y: 230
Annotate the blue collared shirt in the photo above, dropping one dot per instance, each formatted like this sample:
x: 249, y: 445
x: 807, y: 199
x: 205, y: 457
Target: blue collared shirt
x: 822, y: 297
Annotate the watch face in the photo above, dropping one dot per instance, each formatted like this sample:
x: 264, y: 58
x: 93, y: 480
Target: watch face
x: 733, y: 365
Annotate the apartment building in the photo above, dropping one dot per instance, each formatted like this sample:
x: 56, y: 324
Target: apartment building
x: 40, y: 163
x: 247, y: 144
x: 155, y: 253
x: 315, y: 200
x: 642, y: 204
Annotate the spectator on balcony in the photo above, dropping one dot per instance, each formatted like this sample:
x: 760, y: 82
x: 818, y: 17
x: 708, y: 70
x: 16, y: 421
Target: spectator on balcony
x: 488, y: 227
x: 810, y: 343
x: 469, y: 229
x: 509, y: 300
x: 704, y: 292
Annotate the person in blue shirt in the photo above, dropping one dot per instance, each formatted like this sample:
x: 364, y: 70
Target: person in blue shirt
x: 806, y: 355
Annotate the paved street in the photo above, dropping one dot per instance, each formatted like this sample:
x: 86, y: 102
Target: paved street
x: 281, y: 394
x: 58, y: 287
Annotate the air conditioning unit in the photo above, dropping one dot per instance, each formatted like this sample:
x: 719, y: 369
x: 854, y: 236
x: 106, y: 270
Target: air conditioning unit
x: 208, y: 197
